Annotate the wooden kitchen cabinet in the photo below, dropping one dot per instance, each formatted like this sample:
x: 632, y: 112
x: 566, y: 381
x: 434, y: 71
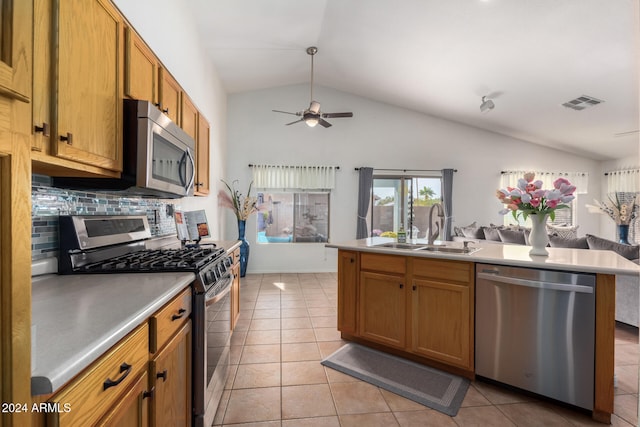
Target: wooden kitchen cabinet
x: 347, y: 291
x: 105, y: 385
x: 188, y: 116
x: 202, y: 158
x: 171, y: 379
x: 140, y: 69
x: 442, y: 295
x: 87, y: 97
x: 382, y: 299
x: 169, y: 97
x: 235, y: 288
x: 132, y: 410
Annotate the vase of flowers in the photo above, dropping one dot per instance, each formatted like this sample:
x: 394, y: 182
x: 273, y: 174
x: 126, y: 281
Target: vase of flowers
x: 243, y: 206
x: 622, y: 213
x: 530, y: 200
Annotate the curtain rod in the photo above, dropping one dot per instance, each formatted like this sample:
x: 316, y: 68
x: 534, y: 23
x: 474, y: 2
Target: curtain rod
x: 408, y: 170
x: 581, y: 173
x: 622, y: 171
x: 337, y: 167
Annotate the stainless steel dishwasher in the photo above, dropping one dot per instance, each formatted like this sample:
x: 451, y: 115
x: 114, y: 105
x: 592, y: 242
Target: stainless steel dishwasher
x: 535, y: 331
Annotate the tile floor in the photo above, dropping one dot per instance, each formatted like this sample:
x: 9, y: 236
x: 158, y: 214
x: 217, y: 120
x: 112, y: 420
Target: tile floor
x: 288, y: 324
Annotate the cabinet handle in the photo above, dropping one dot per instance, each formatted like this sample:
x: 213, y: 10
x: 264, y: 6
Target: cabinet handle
x: 401, y: 286
x: 351, y: 260
x: 200, y: 184
x: 162, y: 375
x: 414, y: 287
x: 166, y: 111
x: 126, y: 368
x: 179, y: 315
x: 45, y: 128
x: 67, y: 138
x: 149, y: 393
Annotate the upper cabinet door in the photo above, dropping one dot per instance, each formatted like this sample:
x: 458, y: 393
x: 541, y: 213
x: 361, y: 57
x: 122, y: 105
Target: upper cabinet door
x: 15, y: 49
x: 169, y: 101
x: 189, y: 117
x: 140, y: 69
x: 202, y: 157
x: 88, y: 87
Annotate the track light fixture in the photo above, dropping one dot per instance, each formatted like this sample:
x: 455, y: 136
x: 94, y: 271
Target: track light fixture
x: 487, y: 105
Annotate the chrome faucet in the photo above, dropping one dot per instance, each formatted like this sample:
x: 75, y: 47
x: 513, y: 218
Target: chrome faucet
x: 439, y: 225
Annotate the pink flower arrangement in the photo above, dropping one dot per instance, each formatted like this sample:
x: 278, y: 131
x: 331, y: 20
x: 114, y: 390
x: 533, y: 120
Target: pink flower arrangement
x: 528, y: 198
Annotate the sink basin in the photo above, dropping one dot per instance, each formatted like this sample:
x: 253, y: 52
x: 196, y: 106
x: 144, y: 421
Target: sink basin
x: 449, y: 250
x: 395, y: 245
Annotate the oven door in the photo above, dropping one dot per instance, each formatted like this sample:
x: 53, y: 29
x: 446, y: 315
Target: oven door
x: 212, y: 339
x: 165, y: 158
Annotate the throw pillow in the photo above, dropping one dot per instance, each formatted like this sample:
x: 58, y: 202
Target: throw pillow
x: 512, y: 236
x: 627, y: 251
x: 458, y: 230
x: 565, y: 231
x: 491, y: 233
x: 557, y: 241
x: 473, y: 232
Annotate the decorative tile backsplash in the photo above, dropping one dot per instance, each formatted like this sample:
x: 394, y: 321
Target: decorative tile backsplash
x: 48, y: 203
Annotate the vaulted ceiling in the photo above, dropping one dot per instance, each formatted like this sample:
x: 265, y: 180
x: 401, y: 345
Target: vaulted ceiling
x: 440, y: 57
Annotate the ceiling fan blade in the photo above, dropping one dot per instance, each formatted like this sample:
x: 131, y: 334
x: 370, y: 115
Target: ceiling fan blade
x: 323, y: 122
x: 297, y: 121
x: 337, y: 115
x: 286, y: 112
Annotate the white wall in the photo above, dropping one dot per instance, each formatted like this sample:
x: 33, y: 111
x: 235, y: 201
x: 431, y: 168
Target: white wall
x: 380, y: 136
x: 167, y: 27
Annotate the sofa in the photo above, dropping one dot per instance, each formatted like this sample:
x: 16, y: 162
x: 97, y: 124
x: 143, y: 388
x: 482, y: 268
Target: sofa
x: 627, y: 287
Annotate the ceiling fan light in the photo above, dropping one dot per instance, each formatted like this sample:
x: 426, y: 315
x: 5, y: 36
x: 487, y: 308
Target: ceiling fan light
x: 311, y: 121
x: 487, y: 105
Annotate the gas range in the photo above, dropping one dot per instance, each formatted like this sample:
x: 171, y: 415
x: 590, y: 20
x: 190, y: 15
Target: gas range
x: 117, y: 244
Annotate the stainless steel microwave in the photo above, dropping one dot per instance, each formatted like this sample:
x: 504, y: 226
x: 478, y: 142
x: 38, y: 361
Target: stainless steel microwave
x: 158, y: 157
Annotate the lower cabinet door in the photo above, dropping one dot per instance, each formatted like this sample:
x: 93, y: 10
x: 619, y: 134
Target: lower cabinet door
x: 171, y: 371
x: 132, y: 409
x: 382, y: 308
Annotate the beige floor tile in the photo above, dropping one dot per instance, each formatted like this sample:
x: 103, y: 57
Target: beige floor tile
x: 312, y: 422
x: 222, y: 408
x: 296, y: 323
x: 499, y: 395
x: 334, y: 376
x: 268, y: 305
x: 300, y: 373
x: 474, y: 398
x: 264, y: 324
x: 325, y: 322
x: 327, y: 348
x: 424, y: 418
x: 258, y: 424
x: 257, y: 375
x: 533, y: 414
x: 266, y: 353
x: 322, y: 311
x: 231, y: 376
x: 482, y: 416
x: 299, y: 352
x: 263, y: 337
x: 266, y: 314
x: 238, y: 337
x: 242, y: 325
x: 626, y: 407
x: 384, y: 419
x: 627, y: 379
x: 327, y: 334
x: 626, y: 354
x: 294, y: 312
x: 298, y: 335
x: 319, y: 303
x: 357, y: 398
x: 303, y: 401
x: 253, y: 404
x: 235, y: 352
x: 293, y: 303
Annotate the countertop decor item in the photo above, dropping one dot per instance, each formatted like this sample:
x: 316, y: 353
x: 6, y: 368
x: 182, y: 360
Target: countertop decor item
x: 243, y: 206
x: 530, y: 200
x: 622, y: 213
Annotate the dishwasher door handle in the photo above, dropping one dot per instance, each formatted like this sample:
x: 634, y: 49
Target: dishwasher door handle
x: 536, y: 284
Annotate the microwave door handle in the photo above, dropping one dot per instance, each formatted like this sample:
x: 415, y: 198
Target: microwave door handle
x: 182, y: 162
x: 193, y: 171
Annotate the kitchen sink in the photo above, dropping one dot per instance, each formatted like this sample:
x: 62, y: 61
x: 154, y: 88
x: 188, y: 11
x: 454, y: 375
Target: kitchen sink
x: 395, y: 245
x: 445, y: 249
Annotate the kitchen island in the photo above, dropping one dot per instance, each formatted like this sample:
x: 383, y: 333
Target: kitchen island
x: 420, y: 304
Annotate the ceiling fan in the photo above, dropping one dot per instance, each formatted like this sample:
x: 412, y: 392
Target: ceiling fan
x: 312, y: 115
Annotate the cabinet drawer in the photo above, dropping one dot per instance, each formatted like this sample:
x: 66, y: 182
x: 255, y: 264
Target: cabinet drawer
x: 448, y: 270
x: 166, y: 321
x: 91, y: 394
x: 382, y: 262
x: 236, y: 255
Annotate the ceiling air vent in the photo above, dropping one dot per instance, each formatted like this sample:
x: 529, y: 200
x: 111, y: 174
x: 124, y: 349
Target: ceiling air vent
x: 582, y: 102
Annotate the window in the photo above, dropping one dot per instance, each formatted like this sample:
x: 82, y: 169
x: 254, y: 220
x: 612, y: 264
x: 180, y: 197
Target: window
x: 403, y: 201
x: 292, y: 217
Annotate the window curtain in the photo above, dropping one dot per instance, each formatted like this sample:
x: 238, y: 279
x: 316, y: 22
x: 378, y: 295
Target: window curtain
x: 447, y: 202
x: 294, y: 177
x: 365, y: 185
x: 623, y: 181
x: 579, y: 179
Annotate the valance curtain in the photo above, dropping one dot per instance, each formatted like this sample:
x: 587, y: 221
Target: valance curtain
x: 294, y: 177
x: 623, y: 181
x: 579, y: 179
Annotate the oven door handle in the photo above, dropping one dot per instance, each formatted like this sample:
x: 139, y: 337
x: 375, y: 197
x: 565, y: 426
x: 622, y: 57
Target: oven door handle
x: 208, y: 301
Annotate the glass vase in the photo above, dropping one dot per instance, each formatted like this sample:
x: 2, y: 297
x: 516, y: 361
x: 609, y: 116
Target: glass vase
x: 538, y: 238
x: 244, y: 247
x: 623, y: 234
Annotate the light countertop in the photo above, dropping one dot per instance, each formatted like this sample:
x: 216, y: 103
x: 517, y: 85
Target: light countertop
x: 582, y: 260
